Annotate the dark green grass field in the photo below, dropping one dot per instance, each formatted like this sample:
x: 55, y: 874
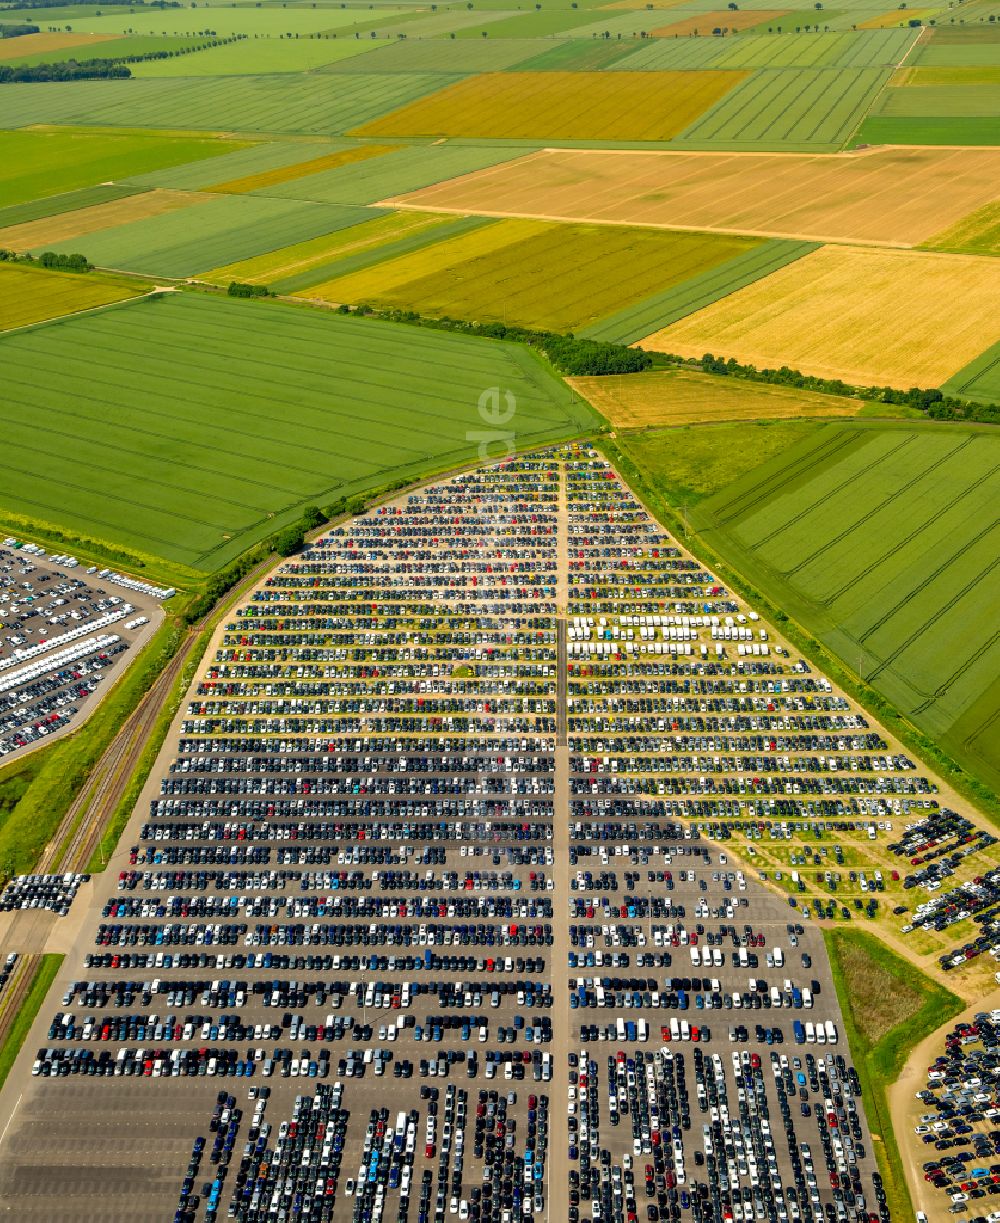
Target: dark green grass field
x: 883, y: 540
x: 189, y: 427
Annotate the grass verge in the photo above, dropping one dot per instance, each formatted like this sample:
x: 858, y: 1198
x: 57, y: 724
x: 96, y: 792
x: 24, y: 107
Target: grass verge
x: 889, y: 1006
x: 26, y: 1013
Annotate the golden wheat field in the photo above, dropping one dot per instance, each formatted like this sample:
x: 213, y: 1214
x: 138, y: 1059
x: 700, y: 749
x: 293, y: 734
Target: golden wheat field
x: 869, y: 317
x: 560, y: 106
x: 892, y: 195
x: 684, y: 397
x: 66, y: 225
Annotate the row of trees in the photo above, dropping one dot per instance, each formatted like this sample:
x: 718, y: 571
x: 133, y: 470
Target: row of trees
x: 66, y: 70
x: 50, y: 259
x: 933, y: 401
x: 8, y: 30
x: 570, y: 354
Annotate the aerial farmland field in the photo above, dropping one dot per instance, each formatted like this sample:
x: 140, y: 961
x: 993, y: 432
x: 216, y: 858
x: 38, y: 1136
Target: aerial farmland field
x: 883, y: 539
x: 505, y: 272
x: 789, y: 109
x: 296, y: 104
x: 839, y: 49
x: 560, y: 105
x: 36, y: 164
x: 30, y: 295
x: 306, y: 261
x: 683, y: 397
x: 214, y: 230
x: 894, y: 196
x: 81, y: 222
x: 868, y: 317
x: 247, y: 411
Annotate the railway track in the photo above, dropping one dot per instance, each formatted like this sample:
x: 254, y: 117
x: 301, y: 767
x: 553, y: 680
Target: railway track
x: 16, y: 991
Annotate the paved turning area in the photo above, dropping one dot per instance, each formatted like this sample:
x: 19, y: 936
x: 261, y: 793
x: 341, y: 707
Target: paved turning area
x: 426, y: 912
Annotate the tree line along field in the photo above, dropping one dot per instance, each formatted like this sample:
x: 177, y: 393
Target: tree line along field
x: 866, y: 316
x: 187, y: 426
x: 505, y: 272
x: 882, y: 540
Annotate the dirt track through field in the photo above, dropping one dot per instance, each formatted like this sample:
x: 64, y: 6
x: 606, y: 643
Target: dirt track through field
x: 886, y: 196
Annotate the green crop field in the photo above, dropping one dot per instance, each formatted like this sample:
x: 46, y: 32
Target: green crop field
x: 839, y: 49
x: 577, y: 55
x: 443, y: 55
x: 883, y: 540
x: 259, y: 55
x: 69, y: 201
x: 246, y: 159
x: 980, y: 379
x: 538, y: 24
x: 317, y: 104
x: 935, y: 114
x: 38, y: 164
x: 644, y: 317
x: 277, y: 21
x: 408, y: 169
x: 882, y: 129
x: 220, y: 230
x: 787, y: 110
x: 189, y: 426
x: 505, y: 273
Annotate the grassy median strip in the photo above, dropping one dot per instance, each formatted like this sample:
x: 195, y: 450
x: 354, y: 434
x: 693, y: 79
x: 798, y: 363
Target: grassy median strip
x: 889, y: 1006
x: 26, y: 1013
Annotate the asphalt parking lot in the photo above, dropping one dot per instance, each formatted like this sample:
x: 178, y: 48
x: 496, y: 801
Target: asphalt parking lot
x: 401, y: 840
x: 66, y: 632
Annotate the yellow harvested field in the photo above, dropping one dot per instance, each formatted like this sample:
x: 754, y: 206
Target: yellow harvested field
x: 68, y: 225
x: 31, y: 294
x: 978, y: 233
x: 31, y: 44
x: 869, y: 317
x: 889, y: 21
x: 723, y: 19
x: 304, y: 256
x: 301, y: 169
x: 895, y: 196
x: 560, y: 106
x: 980, y: 74
x: 684, y: 397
